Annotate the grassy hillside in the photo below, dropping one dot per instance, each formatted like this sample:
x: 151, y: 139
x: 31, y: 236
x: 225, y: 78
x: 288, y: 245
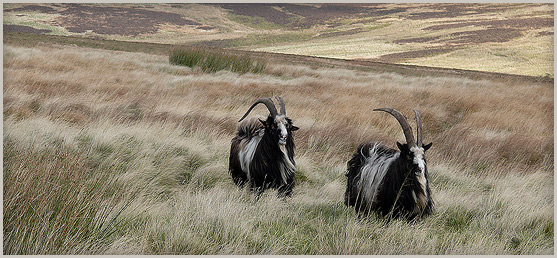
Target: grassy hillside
x: 109, y: 152
x: 505, y: 38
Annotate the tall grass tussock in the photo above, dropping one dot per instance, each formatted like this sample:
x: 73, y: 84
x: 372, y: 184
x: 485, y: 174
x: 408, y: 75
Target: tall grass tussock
x: 211, y: 60
x: 109, y: 152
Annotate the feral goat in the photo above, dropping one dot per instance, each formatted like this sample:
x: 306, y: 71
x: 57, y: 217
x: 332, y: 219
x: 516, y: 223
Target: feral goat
x: 262, y: 152
x: 392, y: 183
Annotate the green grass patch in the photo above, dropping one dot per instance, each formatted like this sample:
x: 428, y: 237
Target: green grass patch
x: 213, y: 60
x: 257, y: 39
x: 53, y: 202
x: 326, y: 212
x: 458, y: 218
x: 255, y: 22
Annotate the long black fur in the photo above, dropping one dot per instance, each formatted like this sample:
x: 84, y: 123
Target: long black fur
x: 394, y: 195
x: 267, y: 159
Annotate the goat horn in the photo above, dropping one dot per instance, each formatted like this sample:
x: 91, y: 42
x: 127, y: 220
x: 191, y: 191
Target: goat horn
x: 281, y: 104
x: 403, y: 122
x: 419, y: 128
x: 268, y: 103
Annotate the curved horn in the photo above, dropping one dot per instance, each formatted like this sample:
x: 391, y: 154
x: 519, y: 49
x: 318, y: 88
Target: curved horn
x: 403, y: 122
x: 281, y: 104
x: 268, y: 103
x: 419, y: 128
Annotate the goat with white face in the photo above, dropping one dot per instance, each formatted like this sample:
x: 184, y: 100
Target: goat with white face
x: 392, y: 183
x: 262, y: 152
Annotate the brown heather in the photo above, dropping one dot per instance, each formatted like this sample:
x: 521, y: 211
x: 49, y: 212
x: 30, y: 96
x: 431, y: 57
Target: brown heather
x: 110, y: 152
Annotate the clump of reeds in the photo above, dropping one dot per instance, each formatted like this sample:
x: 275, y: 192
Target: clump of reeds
x: 54, y: 203
x: 215, y: 60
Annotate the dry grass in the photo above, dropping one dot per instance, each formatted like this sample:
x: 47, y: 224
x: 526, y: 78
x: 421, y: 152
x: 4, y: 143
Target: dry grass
x: 133, y: 152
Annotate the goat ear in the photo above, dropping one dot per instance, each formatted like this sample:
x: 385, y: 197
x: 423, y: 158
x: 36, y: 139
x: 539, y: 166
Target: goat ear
x: 401, y: 146
x: 427, y: 146
x: 294, y: 128
x: 404, y: 151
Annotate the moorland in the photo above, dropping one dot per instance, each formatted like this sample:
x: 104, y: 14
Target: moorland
x: 505, y: 38
x: 108, y: 148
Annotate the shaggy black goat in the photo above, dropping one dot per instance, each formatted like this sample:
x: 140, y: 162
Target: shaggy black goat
x: 392, y: 183
x: 262, y: 152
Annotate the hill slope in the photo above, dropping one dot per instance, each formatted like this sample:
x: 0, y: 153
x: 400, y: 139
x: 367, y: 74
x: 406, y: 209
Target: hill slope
x: 505, y: 38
